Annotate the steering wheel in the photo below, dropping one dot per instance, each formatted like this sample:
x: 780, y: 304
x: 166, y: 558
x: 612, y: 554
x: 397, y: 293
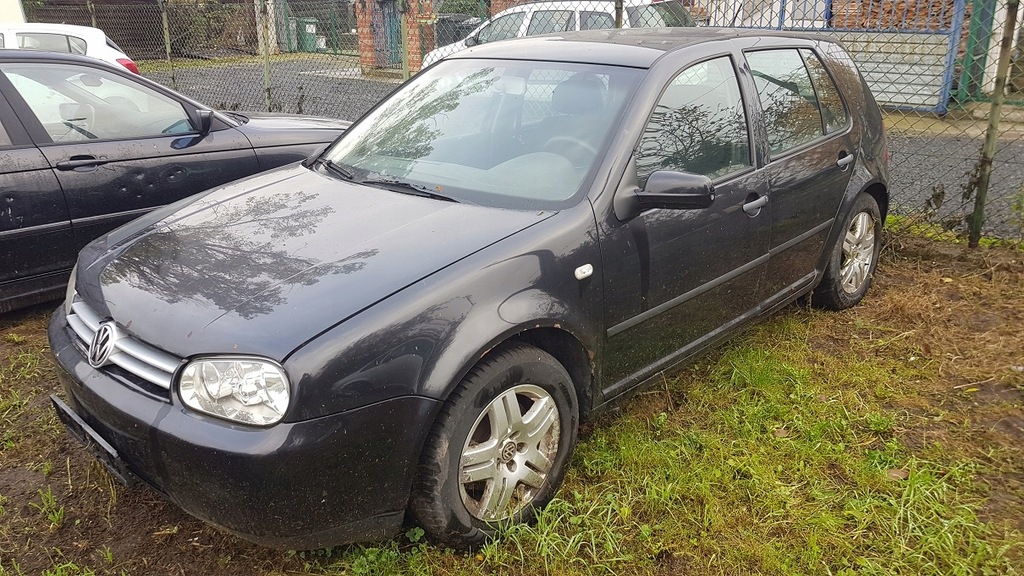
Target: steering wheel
x: 80, y: 130
x: 579, y: 152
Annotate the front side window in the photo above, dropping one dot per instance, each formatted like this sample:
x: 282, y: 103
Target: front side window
x: 789, y: 105
x: 512, y: 134
x: 51, y: 42
x: 547, y: 21
x: 596, y: 21
x: 698, y: 125
x: 502, y: 28
x: 76, y: 103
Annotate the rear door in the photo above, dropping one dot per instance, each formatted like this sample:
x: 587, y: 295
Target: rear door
x: 119, y: 147
x: 35, y: 228
x: 810, y: 149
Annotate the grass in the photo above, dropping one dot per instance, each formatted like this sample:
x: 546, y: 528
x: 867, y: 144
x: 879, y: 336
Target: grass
x: 880, y: 440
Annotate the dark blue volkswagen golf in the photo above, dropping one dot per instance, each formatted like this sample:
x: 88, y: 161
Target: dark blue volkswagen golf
x: 411, y: 325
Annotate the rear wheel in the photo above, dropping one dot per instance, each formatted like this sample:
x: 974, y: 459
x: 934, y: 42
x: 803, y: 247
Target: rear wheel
x: 499, y: 449
x: 854, y: 257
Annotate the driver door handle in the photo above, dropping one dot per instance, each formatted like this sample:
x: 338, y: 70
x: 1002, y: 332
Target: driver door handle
x: 844, y: 160
x: 80, y: 162
x: 753, y: 207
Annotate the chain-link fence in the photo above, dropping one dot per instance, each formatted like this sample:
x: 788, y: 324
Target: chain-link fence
x: 932, y: 64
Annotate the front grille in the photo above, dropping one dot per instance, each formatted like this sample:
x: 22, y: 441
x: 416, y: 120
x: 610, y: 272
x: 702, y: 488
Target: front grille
x: 134, y: 357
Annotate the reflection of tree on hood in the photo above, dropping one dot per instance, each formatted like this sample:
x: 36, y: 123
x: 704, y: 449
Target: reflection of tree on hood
x: 224, y: 255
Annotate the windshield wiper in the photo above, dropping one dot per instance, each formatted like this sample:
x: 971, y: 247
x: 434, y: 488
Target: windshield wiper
x: 403, y: 187
x: 336, y: 169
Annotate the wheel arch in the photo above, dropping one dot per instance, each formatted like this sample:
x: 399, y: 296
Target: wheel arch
x: 880, y: 193
x: 553, y: 338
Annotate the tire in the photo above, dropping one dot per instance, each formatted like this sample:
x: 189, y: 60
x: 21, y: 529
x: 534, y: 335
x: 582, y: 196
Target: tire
x: 469, y: 441
x: 854, y: 257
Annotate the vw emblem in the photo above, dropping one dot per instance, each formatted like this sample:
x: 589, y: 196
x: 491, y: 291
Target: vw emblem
x: 102, y: 345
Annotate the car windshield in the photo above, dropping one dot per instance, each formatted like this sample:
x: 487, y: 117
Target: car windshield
x: 512, y: 134
x: 669, y: 13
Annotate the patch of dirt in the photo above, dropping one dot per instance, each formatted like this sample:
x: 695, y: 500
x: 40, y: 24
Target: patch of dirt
x: 961, y: 311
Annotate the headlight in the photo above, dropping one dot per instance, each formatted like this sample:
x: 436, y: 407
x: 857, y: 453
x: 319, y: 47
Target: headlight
x: 245, y: 390
x: 69, y: 294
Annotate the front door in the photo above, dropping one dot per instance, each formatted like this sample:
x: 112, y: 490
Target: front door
x: 676, y: 278
x: 119, y: 148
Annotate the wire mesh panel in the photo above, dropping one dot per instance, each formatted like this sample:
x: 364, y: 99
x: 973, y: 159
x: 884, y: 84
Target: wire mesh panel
x: 932, y: 65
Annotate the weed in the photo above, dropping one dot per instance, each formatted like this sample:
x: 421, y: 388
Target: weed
x: 47, y: 506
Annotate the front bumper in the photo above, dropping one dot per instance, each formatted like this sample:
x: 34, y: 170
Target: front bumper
x: 332, y: 480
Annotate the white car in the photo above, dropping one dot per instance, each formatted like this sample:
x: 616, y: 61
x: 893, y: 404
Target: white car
x: 65, y: 38
x: 546, y: 17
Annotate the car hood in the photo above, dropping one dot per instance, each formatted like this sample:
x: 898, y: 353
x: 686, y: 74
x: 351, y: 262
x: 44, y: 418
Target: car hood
x: 265, y: 264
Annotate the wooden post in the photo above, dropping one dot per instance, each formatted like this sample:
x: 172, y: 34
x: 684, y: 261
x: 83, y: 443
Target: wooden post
x: 988, y: 150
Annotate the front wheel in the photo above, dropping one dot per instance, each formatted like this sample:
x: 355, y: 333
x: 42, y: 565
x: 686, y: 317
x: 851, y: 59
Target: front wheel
x: 499, y: 449
x: 853, y: 259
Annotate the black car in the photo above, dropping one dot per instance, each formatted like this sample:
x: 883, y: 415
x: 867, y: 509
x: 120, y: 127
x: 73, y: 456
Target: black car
x: 419, y: 318
x: 86, y: 146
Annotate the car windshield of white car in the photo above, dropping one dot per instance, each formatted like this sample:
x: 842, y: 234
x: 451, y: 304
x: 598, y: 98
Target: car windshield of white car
x: 511, y: 134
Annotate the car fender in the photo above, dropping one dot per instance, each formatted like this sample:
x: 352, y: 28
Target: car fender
x: 425, y: 338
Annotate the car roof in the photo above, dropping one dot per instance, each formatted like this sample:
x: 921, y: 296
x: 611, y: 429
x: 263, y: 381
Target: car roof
x: 10, y: 55
x: 55, y: 28
x: 638, y: 47
x: 573, y: 5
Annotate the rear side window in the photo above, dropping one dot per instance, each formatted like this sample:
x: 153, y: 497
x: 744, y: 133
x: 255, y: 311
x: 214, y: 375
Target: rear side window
x: 51, y: 42
x: 788, y: 103
x: 596, y: 21
x: 833, y: 113
x: 698, y: 125
x: 5, y: 140
x: 547, y: 21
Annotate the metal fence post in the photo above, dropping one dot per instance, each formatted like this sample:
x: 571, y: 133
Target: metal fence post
x: 265, y: 47
x: 167, y: 40
x: 618, y: 13
x: 92, y: 13
x: 988, y: 150
x: 404, y: 22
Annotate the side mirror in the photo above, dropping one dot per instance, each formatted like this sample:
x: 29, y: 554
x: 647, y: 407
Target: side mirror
x: 205, y: 121
x: 471, y: 41
x: 677, y: 191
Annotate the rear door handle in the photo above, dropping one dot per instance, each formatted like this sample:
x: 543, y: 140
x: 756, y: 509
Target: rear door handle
x: 80, y: 162
x: 844, y: 160
x: 753, y: 207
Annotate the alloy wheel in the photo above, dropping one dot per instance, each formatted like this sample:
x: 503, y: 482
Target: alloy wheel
x: 509, y: 453
x: 858, y: 252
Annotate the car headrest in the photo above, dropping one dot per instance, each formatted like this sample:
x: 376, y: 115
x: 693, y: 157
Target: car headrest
x: 582, y: 93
